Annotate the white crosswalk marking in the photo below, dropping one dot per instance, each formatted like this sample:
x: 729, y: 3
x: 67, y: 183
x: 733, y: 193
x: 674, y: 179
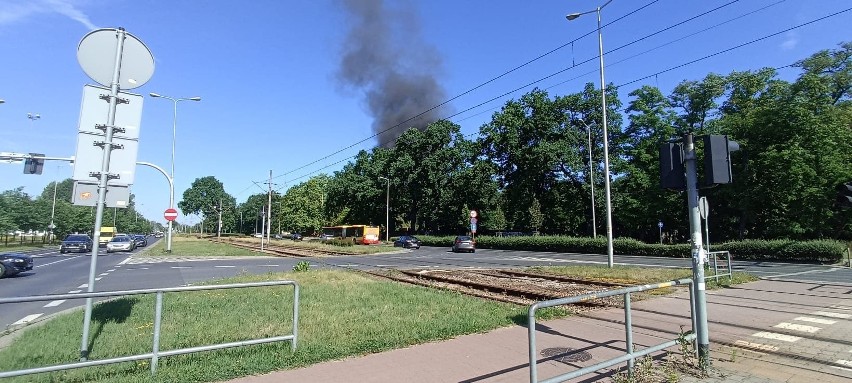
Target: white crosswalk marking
x: 776, y: 336
x: 815, y: 320
x: 832, y: 315
x: 55, y: 303
x: 226, y: 267
x: 28, y: 319
x: 797, y: 327
x: 756, y: 346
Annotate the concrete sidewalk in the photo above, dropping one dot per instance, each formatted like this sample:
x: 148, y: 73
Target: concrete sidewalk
x: 766, y: 331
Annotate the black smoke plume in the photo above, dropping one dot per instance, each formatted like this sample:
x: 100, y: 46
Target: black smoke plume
x: 385, y: 58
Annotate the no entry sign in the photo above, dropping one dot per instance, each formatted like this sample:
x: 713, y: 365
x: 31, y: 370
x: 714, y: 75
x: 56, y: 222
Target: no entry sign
x: 170, y: 214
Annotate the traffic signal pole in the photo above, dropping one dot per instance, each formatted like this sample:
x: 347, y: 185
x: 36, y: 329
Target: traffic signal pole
x: 698, y: 254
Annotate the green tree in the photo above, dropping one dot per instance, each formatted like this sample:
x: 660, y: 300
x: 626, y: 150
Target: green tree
x: 205, y: 196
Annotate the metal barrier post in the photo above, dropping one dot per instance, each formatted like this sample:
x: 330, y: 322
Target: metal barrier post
x: 531, y: 335
x: 158, y: 318
x: 715, y: 267
x: 295, y: 317
x: 628, y: 328
x: 730, y: 269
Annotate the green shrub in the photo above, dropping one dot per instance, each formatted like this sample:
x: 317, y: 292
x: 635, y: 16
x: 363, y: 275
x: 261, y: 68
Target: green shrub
x: 302, y: 266
x: 820, y: 251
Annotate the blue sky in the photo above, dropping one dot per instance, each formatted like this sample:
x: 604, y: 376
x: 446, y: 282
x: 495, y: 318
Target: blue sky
x: 268, y: 71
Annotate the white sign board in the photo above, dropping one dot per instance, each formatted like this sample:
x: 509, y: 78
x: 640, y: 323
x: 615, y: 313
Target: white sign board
x: 95, y: 111
x: 86, y: 194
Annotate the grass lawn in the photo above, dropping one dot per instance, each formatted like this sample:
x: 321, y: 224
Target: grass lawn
x: 187, y: 246
x: 639, y: 275
x: 342, y: 314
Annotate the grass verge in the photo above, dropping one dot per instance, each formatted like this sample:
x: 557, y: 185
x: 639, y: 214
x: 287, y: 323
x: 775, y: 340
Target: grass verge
x: 342, y: 314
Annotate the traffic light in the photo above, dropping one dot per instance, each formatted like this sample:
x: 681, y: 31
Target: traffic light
x: 844, y: 194
x: 33, y: 165
x: 671, y: 166
x: 717, y: 158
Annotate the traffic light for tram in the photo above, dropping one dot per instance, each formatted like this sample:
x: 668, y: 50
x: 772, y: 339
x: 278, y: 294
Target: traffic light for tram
x: 33, y: 165
x: 717, y: 159
x: 671, y: 166
x: 844, y: 194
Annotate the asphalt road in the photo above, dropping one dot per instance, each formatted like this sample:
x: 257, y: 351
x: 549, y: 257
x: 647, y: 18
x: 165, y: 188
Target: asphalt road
x: 68, y: 273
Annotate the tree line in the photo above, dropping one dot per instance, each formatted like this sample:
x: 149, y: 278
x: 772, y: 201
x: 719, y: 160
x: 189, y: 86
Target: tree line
x: 531, y: 168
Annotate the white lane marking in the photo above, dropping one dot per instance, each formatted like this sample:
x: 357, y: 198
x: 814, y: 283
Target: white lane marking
x: 110, y: 270
x: 386, y: 265
x: 74, y: 291
x: 55, y: 303
x: 28, y: 319
x: 181, y: 267
x: 756, y: 346
x: 268, y: 265
x: 832, y: 315
x: 97, y: 279
x: 839, y: 307
x: 224, y: 266
x: 103, y: 274
x: 776, y: 336
x: 124, y: 261
x: 51, y: 263
x: 844, y: 362
x: 815, y: 320
x: 797, y: 327
x: 83, y: 286
x: 801, y: 273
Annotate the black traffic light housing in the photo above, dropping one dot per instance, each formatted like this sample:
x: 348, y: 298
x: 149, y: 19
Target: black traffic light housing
x: 717, y: 159
x: 34, y: 165
x: 671, y: 166
x: 844, y: 194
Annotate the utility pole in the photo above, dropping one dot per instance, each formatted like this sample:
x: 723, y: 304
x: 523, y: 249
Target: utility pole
x: 269, y: 204
x: 219, y: 231
x: 698, y: 254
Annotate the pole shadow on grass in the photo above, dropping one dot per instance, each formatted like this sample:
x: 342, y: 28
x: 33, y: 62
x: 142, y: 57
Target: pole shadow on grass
x: 114, y: 311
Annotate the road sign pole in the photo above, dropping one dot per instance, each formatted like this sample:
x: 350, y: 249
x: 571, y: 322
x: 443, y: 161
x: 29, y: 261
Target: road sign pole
x: 102, y: 187
x: 700, y: 314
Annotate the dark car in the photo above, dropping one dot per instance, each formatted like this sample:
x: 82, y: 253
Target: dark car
x: 464, y: 243
x: 407, y: 242
x: 140, y: 240
x: 14, y: 263
x: 76, y: 242
x: 296, y: 237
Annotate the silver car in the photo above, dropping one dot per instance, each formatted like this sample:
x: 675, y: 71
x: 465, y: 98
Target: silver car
x: 121, y: 243
x: 464, y: 243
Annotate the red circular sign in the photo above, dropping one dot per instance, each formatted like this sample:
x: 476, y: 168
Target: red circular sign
x: 170, y: 214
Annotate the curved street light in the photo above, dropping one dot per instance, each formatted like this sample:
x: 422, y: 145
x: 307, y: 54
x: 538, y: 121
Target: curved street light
x: 174, y: 135
x: 609, y: 248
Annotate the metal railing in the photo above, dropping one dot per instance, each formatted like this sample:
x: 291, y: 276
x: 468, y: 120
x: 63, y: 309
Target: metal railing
x: 156, y: 353
x: 630, y: 354
x: 714, y: 261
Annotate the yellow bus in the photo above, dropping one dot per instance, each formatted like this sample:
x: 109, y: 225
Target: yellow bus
x: 361, y: 234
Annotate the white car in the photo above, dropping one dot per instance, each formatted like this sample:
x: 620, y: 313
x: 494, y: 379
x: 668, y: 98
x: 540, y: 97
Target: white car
x: 121, y: 243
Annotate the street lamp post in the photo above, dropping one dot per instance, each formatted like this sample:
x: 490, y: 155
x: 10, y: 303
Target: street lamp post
x: 591, y: 179
x: 387, y: 210
x: 174, y: 135
x: 609, y: 248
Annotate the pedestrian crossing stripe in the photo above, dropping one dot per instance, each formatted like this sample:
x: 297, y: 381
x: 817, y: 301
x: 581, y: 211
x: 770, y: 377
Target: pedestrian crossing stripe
x: 815, y: 320
x: 832, y: 315
x: 797, y: 327
x: 755, y: 346
x: 776, y: 336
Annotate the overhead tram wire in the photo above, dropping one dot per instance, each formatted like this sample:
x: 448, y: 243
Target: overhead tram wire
x: 555, y: 73
x: 469, y: 90
x: 627, y: 83
x: 633, y: 56
x: 736, y: 47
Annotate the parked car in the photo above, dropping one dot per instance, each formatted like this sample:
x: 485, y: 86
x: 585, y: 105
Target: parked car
x: 76, y: 242
x: 140, y: 240
x: 407, y: 242
x: 120, y: 243
x: 296, y: 237
x: 14, y: 263
x: 326, y: 237
x: 464, y: 243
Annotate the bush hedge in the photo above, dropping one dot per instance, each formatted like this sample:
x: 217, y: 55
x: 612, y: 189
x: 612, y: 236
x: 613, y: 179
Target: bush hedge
x: 818, y: 251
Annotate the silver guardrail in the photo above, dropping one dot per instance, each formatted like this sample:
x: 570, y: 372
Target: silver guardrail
x: 630, y: 354
x: 714, y: 261
x: 156, y: 353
